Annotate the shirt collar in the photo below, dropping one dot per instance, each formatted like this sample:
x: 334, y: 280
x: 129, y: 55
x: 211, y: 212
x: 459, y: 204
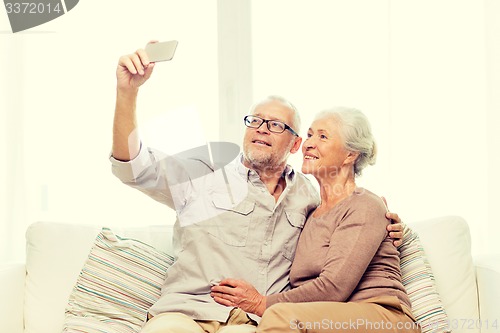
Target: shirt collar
x: 247, y: 172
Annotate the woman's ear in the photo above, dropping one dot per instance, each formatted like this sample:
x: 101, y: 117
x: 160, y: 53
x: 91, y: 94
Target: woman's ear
x: 351, y: 157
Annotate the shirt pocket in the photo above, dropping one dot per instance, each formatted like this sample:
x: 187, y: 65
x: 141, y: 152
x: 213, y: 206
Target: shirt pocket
x: 296, y: 221
x: 232, y: 221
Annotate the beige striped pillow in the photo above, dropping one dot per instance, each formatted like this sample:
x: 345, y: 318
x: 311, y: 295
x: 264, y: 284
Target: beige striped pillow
x: 420, y: 285
x: 119, y: 282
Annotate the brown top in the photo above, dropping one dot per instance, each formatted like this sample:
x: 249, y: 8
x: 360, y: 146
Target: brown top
x: 344, y: 255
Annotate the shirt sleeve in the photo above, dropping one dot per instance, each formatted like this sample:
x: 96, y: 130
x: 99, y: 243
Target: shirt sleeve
x: 162, y: 177
x: 353, y: 244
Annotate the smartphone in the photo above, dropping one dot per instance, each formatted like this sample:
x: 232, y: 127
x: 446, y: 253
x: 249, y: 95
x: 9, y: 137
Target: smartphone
x: 162, y: 51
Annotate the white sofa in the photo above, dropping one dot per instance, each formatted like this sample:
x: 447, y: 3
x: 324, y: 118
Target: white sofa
x: 33, y: 295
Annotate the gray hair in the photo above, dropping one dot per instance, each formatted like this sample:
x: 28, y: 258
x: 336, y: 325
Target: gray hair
x: 356, y: 132
x: 275, y: 98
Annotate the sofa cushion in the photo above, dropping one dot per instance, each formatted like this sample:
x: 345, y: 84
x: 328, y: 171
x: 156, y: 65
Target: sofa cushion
x: 447, y: 245
x: 119, y: 282
x: 417, y: 277
x: 488, y: 276
x: 55, y: 255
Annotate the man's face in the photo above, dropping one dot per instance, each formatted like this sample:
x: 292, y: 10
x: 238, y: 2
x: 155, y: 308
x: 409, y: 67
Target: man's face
x: 264, y: 149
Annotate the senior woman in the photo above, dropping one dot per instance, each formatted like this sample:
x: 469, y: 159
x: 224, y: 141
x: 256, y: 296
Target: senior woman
x: 346, y: 274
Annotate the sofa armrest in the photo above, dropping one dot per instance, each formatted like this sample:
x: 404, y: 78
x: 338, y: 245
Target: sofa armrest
x: 12, y: 276
x: 488, y: 286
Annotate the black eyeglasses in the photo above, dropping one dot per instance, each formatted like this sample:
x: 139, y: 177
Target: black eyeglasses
x: 274, y: 126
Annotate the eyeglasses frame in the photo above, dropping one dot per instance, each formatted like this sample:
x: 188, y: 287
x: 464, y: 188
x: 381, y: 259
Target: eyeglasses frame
x: 267, y: 124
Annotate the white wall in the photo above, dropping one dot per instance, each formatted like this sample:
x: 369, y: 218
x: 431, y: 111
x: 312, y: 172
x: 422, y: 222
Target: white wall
x: 426, y: 73
x: 492, y: 27
x: 439, y: 107
x: 321, y: 54
x: 419, y: 70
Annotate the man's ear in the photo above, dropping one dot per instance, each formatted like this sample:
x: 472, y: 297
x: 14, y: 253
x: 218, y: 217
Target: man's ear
x: 296, y: 145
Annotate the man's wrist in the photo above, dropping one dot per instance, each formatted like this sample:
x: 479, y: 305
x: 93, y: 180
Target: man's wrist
x: 262, y: 306
x: 127, y: 92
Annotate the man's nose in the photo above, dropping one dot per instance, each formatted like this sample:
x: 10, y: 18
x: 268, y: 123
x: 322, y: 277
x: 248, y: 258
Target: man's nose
x: 263, y: 128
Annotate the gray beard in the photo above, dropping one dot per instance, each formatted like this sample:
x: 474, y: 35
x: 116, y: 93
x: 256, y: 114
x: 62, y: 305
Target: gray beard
x: 263, y: 163
x: 260, y: 163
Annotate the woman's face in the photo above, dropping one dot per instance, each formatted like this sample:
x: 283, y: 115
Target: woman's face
x: 323, y: 149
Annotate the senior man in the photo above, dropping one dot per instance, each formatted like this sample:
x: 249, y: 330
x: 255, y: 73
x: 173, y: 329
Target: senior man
x: 241, y: 220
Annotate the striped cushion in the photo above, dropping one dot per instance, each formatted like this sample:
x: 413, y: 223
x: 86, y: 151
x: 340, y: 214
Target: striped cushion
x: 119, y: 282
x: 420, y: 285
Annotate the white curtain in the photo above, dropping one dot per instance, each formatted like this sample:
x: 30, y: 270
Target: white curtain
x: 57, y: 102
x: 12, y: 193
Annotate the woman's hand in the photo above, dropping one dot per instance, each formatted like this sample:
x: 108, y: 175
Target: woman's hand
x: 241, y: 294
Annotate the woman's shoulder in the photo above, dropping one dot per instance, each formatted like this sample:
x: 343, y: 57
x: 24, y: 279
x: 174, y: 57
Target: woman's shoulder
x: 367, y: 200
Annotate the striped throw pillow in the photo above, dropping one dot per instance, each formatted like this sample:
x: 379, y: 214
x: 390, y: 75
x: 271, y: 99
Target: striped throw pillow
x: 420, y: 285
x: 119, y: 282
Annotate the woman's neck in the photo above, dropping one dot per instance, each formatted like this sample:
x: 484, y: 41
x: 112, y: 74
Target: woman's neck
x: 335, y: 189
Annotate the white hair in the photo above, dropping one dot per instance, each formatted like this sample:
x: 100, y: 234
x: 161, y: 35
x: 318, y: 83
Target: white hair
x: 275, y: 98
x: 356, y: 132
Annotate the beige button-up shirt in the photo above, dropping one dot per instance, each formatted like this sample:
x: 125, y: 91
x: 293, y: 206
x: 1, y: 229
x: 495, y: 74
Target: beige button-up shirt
x: 228, y: 226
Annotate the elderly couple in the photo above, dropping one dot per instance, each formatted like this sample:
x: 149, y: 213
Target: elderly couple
x: 240, y: 263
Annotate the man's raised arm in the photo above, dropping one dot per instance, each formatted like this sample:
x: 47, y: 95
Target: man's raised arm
x: 132, y: 71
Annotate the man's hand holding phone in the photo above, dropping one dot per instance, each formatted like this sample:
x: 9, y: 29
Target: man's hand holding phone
x: 136, y: 68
